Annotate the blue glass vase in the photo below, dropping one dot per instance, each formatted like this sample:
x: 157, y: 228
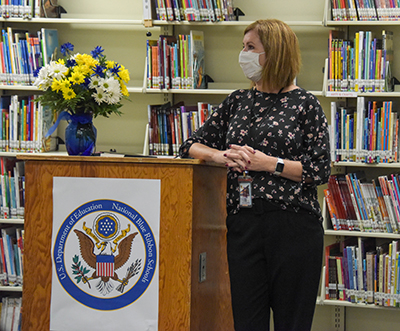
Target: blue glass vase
x: 80, y: 135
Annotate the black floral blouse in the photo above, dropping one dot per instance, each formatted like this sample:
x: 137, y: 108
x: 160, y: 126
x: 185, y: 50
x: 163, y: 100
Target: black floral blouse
x: 290, y: 125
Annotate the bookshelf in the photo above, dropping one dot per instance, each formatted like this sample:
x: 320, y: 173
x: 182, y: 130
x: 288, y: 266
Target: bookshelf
x: 370, y: 316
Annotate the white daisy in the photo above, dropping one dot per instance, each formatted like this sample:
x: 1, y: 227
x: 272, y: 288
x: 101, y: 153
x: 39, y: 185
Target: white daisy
x: 95, y: 82
x: 100, y: 96
x: 113, y: 97
x: 110, y: 84
x: 57, y: 70
x: 43, y: 80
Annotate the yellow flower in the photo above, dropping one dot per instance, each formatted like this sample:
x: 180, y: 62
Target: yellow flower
x: 68, y: 94
x: 124, y: 90
x: 85, y: 59
x: 65, y: 84
x: 60, y: 61
x: 77, y: 78
x: 124, y: 75
x: 84, y: 69
x: 56, y: 85
x: 110, y: 64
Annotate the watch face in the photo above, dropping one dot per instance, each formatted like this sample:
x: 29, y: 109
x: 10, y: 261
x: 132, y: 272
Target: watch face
x: 279, y: 167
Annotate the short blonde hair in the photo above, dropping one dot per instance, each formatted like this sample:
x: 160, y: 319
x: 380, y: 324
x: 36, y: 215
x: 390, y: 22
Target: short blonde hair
x: 282, y: 52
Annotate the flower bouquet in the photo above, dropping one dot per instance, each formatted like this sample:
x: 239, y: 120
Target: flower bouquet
x: 79, y: 87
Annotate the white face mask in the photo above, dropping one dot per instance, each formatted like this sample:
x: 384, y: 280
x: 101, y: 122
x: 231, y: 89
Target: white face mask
x: 250, y: 63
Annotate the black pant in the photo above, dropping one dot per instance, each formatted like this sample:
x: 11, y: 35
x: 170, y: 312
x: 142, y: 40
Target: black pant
x: 275, y: 260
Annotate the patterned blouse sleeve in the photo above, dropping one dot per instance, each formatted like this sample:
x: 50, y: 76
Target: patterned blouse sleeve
x: 213, y: 132
x: 316, y: 158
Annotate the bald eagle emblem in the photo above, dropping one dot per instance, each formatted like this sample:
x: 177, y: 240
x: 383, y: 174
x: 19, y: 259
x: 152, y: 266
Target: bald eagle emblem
x: 105, y: 248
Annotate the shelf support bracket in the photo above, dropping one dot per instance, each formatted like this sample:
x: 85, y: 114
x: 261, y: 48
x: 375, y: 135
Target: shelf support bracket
x: 339, y: 318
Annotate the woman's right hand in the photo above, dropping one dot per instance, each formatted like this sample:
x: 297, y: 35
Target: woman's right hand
x: 202, y: 152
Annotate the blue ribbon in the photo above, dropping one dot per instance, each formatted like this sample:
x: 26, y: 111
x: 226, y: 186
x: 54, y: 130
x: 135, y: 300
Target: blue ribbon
x: 83, y: 118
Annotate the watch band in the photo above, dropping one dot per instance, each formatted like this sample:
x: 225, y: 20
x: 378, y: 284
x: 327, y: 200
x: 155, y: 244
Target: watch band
x: 280, y: 164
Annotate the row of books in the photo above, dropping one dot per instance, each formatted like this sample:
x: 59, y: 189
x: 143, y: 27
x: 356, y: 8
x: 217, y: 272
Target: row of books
x: 363, y: 272
x: 20, y: 8
x: 11, y: 311
x: 194, y: 10
x: 365, y: 133
x: 22, y: 52
x: 23, y: 124
x: 365, y: 10
x: 11, y: 255
x: 170, y: 126
x: 12, y: 188
x: 357, y: 204
x: 176, y: 62
x: 362, y: 64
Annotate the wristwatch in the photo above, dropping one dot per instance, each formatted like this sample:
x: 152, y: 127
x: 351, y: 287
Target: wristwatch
x: 279, y: 167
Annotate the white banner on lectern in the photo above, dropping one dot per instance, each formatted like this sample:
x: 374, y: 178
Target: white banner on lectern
x: 105, y: 254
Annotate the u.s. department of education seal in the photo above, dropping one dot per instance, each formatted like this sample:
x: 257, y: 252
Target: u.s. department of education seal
x: 105, y: 254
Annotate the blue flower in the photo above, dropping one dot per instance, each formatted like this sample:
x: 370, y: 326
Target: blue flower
x: 36, y: 72
x: 66, y: 48
x: 115, y: 70
x: 86, y: 82
x: 97, y: 52
x: 71, y: 63
x: 99, y: 71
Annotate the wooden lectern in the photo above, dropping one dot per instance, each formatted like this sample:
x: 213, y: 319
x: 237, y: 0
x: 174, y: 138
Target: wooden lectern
x: 192, y: 222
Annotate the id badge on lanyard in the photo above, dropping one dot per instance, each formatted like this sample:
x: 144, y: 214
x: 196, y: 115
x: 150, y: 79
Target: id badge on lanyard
x: 245, y: 190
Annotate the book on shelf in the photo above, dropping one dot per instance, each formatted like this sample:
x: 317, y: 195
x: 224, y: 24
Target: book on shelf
x: 170, y: 125
x: 175, y: 62
x: 10, y: 318
x: 331, y: 278
x: 361, y: 64
x: 193, y: 10
x: 11, y: 245
x: 12, y: 183
x: 19, y: 9
x: 49, y: 45
x: 197, y: 55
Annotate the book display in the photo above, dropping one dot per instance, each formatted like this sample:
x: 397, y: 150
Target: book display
x: 12, y: 187
x: 361, y: 206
